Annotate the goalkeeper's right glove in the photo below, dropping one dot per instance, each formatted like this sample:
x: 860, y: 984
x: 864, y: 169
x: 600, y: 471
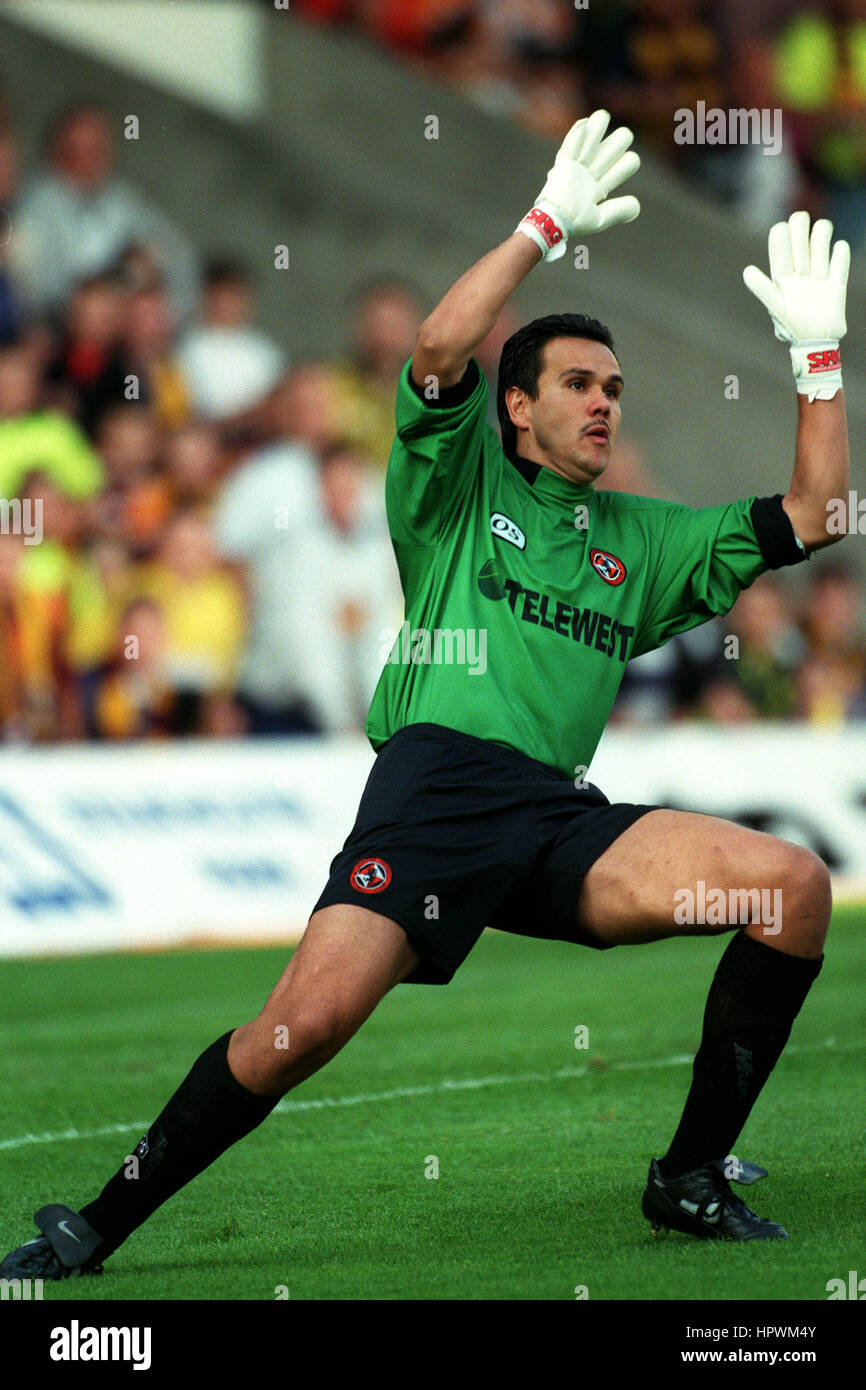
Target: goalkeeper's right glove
x: 575, y: 196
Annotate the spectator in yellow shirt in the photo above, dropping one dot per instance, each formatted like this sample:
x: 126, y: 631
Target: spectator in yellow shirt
x: 133, y: 697
x: 387, y: 314
x: 205, y: 619
x: 31, y: 437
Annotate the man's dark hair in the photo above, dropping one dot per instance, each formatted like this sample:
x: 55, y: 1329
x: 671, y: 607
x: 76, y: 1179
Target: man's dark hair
x: 396, y: 285
x: 225, y: 270
x: 337, y: 448
x: 66, y: 115
x: 520, y: 361
x: 833, y: 572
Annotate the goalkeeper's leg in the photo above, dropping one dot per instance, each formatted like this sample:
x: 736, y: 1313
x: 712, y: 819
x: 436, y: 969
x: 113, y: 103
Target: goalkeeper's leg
x: 347, y: 961
x: 630, y: 895
x: 759, y: 987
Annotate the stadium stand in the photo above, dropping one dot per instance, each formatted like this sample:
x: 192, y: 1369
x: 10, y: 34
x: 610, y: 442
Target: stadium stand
x: 165, y: 388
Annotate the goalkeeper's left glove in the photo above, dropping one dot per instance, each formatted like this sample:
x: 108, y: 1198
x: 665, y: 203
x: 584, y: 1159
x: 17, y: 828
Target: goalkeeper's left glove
x: 806, y: 300
x: 575, y: 197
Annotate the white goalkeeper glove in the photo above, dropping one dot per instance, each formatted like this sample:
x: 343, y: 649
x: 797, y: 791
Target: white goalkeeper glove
x: 806, y: 300
x: 575, y: 197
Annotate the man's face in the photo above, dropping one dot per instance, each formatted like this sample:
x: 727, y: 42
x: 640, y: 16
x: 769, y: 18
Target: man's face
x: 342, y: 487
x: 385, y: 328
x: 19, y: 383
x: 834, y: 609
x: 571, y: 425
x: 229, y: 304
x: 307, y: 407
x: 94, y: 314
x: 83, y: 150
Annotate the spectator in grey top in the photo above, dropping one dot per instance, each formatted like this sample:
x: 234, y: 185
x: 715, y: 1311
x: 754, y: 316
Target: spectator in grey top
x: 76, y: 218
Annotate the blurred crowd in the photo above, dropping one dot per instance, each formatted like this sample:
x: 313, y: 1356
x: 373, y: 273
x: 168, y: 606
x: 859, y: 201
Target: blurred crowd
x: 772, y: 657
x: 547, y: 62
x: 192, y: 529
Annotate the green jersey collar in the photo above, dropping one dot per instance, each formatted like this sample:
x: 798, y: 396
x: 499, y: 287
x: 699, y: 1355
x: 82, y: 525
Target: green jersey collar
x: 549, y: 484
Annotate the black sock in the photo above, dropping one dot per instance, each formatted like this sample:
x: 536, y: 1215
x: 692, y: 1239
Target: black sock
x: 755, y: 996
x: 208, y: 1112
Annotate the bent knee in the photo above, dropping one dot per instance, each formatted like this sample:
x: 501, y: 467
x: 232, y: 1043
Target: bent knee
x: 317, y: 1035
x: 806, y: 881
x: 806, y: 899
x: 279, y: 1055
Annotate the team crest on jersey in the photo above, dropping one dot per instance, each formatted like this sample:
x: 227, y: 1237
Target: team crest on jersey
x: 370, y: 875
x: 507, y: 530
x: 611, y: 569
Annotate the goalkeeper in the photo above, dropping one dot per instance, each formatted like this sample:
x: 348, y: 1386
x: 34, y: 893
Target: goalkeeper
x: 477, y: 811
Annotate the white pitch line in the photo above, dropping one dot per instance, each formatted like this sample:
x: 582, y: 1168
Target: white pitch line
x: 474, y: 1083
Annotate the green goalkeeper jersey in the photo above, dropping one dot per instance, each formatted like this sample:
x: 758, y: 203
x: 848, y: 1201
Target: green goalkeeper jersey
x: 526, y: 594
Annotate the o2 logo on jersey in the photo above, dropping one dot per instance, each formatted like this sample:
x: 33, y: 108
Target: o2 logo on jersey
x: 507, y: 530
x: 608, y: 566
x: 370, y: 875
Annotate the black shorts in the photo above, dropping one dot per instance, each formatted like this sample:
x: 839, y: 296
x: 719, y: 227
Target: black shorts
x: 454, y: 834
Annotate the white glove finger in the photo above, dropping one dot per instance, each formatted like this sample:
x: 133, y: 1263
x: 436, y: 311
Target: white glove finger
x: 781, y: 259
x: 596, y: 125
x: 840, y: 264
x: 610, y: 150
x: 615, y: 211
x: 763, y: 288
x: 819, y: 250
x: 571, y: 145
x: 625, y: 166
x: 798, y: 223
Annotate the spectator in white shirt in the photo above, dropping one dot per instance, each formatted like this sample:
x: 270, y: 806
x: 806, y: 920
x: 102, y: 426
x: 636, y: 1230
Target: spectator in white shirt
x: 228, y: 364
x: 349, y: 591
x: 323, y: 585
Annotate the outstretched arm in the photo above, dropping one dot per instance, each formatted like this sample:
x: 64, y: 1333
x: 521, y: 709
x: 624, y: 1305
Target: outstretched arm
x: 806, y: 299
x: 464, y: 317
x: 821, y: 469
x: 574, y: 200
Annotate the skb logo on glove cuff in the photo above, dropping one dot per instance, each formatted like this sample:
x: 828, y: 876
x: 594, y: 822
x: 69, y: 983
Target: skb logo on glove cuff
x: 826, y: 360
x: 545, y: 224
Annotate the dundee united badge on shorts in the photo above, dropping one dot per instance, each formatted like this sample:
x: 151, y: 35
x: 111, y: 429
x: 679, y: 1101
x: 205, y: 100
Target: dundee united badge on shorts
x: 608, y: 566
x: 370, y: 875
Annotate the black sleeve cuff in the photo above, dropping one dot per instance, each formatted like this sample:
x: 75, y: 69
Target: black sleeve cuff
x: 450, y: 395
x: 774, y: 533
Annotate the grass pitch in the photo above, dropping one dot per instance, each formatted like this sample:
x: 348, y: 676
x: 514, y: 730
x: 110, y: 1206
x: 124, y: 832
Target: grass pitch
x: 541, y: 1147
